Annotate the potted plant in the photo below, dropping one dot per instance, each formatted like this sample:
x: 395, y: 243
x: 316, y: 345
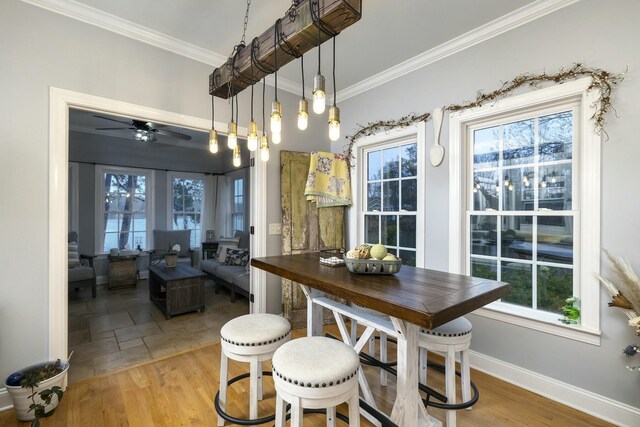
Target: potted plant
x: 37, y: 389
x: 171, y: 257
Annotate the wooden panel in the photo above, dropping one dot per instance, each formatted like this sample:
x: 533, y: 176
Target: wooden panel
x: 305, y: 228
x: 427, y: 298
x: 299, y: 30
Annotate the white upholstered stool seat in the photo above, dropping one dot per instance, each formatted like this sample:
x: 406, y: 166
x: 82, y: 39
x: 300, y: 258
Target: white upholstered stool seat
x: 315, y: 373
x: 449, y: 339
x: 252, y: 338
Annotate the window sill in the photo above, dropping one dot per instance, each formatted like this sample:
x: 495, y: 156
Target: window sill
x: 504, y: 313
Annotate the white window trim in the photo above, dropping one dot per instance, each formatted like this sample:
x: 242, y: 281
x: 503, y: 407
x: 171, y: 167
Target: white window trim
x: 415, y: 132
x: 150, y: 187
x: 171, y: 175
x: 589, y: 154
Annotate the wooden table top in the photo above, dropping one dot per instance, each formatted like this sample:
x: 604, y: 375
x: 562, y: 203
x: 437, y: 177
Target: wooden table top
x: 427, y: 298
x: 180, y: 271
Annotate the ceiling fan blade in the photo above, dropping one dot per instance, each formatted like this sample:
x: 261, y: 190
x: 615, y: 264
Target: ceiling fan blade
x: 112, y: 128
x: 113, y: 120
x: 173, y: 134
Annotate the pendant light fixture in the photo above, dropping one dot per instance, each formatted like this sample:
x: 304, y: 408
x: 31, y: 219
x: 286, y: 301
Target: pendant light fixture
x: 264, y: 143
x: 303, y: 105
x: 334, y: 111
x: 232, y: 135
x: 213, y: 134
x: 276, y: 108
x: 318, y: 80
x: 252, y: 135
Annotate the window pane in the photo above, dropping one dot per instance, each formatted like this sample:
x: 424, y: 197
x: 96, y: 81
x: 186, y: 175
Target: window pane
x: 140, y: 239
x: 554, y: 286
x: 519, y: 277
x: 391, y: 196
x: 518, y: 142
x: 555, y: 187
x: 112, y: 222
x: 486, y: 187
x: 484, y: 268
x: 389, y: 230
x: 518, y: 189
x: 516, y: 236
x: 374, y: 161
x: 483, y: 235
x: 408, y: 231
x: 373, y: 196
x: 556, y: 134
x: 371, y: 228
x: 178, y: 203
x: 409, y: 160
x: 110, y: 241
x: 486, y: 147
x: 391, y: 162
x: 408, y: 257
x: 409, y: 194
x: 555, y: 239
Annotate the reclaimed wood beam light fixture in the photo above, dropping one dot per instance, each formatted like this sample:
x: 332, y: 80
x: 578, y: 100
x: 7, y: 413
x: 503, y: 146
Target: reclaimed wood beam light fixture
x: 305, y: 25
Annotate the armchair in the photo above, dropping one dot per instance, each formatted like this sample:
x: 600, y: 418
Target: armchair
x: 81, y: 271
x: 165, y: 239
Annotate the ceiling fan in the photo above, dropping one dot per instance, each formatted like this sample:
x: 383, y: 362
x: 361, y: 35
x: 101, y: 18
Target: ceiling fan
x: 144, y: 131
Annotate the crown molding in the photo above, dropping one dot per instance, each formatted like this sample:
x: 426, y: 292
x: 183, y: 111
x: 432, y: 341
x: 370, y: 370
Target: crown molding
x: 498, y: 26
x: 92, y: 16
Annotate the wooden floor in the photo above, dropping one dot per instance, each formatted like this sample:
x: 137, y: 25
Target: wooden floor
x: 179, y: 391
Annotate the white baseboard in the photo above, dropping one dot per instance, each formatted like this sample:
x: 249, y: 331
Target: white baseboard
x: 583, y: 400
x: 5, y: 400
x: 101, y: 280
x: 143, y: 274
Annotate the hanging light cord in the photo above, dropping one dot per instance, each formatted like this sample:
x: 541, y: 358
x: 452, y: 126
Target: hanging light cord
x: 232, y: 108
x: 334, y: 71
x: 318, y: 17
x: 252, y: 84
x: 212, y: 111
x: 263, y: 106
x: 302, y: 68
x: 275, y: 56
x: 237, y: 117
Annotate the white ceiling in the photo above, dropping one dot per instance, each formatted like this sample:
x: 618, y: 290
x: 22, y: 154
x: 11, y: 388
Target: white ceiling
x: 390, y: 31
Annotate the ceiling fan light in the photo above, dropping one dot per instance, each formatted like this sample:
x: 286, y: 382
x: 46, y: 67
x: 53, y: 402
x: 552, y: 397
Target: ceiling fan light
x: 232, y: 136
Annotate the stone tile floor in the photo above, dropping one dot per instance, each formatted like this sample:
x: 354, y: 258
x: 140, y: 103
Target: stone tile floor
x: 123, y: 327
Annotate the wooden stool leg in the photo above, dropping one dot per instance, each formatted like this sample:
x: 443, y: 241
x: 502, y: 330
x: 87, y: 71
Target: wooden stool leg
x: 253, y: 389
x: 423, y: 366
x: 383, y: 358
x: 372, y: 346
x: 465, y: 377
x: 281, y: 411
x: 223, y: 384
x: 296, y: 413
x: 331, y: 416
x: 259, y: 380
x: 354, y: 409
x: 450, y: 384
x: 354, y: 331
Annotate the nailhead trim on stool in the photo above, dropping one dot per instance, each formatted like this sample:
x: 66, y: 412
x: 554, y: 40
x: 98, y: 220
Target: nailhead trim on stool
x: 456, y: 328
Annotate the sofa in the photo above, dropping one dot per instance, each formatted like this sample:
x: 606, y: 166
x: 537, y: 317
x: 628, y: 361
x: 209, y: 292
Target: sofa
x: 230, y: 268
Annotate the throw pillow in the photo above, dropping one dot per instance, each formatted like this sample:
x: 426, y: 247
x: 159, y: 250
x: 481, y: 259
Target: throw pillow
x: 74, y: 257
x: 222, y: 252
x: 237, y: 257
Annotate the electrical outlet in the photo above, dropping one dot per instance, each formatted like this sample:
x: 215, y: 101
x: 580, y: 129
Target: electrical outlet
x: 275, y: 228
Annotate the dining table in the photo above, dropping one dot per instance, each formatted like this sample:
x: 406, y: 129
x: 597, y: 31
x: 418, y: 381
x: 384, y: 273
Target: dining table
x: 399, y: 305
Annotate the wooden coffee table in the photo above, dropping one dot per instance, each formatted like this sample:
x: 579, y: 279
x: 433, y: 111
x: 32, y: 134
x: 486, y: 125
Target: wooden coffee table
x: 176, y: 290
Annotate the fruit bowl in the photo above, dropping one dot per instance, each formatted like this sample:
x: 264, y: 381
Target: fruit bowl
x: 372, y: 266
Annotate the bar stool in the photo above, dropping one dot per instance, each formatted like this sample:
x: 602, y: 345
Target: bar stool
x: 252, y: 338
x: 447, y: 340
x: 315, y: 373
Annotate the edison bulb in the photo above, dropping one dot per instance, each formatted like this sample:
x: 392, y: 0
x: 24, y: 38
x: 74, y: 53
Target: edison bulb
x: 334, y: 123
x: 264, y: 148
x: 318, y: 94
x: 276, y: 137
x: 303, y: 114
x: 232, y: 136
x: 213, y: 141
x: 276, y: 117
x: 252, y: 136
x: 237, y: 161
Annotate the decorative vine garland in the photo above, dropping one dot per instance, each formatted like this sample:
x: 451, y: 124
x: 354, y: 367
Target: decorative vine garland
x: 600, y: 79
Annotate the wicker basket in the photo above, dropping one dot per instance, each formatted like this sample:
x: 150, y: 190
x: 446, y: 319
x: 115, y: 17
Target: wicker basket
x: 372, y: 266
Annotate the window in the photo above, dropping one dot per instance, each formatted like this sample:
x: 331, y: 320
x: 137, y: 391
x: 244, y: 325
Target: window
x: 124, y: 208
x: 186, y: 195
x: 237, y: 215
x: 523, y: 202
x: 388, y: 193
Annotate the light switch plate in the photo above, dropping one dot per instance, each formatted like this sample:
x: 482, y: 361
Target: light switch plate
x: 275, y: 228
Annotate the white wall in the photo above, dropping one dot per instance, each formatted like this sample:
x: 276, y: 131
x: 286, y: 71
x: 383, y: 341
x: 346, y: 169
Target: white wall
x: 587, y: 32
x: 41, y: 49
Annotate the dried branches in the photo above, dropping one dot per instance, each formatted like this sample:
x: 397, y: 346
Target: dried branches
x: 601, y: 80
